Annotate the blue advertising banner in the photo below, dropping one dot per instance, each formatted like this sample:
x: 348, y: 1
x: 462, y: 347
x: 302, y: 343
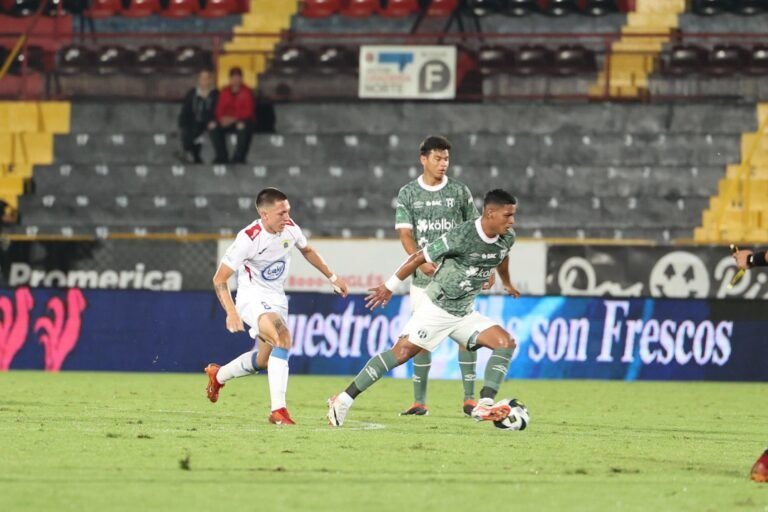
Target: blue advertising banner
x: 558, y: 337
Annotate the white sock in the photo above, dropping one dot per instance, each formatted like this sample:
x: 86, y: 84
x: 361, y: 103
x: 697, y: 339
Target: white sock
x: 277, y: 368
x: 345, y: 398
x: 242, y: 365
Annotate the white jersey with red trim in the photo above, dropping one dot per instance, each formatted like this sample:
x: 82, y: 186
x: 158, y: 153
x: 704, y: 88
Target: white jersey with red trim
x: 261, y: 260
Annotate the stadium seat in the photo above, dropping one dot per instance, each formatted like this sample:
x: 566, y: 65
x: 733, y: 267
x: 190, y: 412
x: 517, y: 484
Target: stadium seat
x: 558, y: 7
x: 400, y: 8
x: 486, y: 7
x: 726, y: 60
x: 181, y: 8
x: 103, y: 8
x: 438, y: 8
x: 359, y: 8
x: 74, y: 59
x: 709, y: 7
x: 151, y: 59
x: 113, y: 59
x: 492, y: 60
x: 532, y: 60
x: 749, y: 7
x: 336, y: 59
x: 573, y: 59
x: 219, y: 8
x: 292, y: 59
x: 320, y: 8
x: 520, y: 7
x: 597, y: 7
x: 685, y: 59
x: 758, y: 60
x: 23, y: 8
x: 35, y: 60
x: 141, y: 8
x: 189, y: 59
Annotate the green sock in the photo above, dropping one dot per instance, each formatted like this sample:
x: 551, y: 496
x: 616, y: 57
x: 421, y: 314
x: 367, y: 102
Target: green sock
x: 375, y: 369
x: 468, y: 367
x: 421, y: 364
x: 496, y: 371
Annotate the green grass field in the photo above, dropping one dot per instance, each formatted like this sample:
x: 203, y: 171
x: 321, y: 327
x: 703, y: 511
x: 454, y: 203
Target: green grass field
x: 90, y: 441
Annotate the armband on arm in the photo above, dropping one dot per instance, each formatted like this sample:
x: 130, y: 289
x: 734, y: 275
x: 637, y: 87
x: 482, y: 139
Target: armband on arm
x: 757, y: 259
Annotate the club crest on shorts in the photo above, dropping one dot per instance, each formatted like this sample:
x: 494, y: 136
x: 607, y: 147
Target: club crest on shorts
x: 422, y: 334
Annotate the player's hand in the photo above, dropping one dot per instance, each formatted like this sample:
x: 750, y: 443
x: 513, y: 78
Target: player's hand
x: 510, y: 289
x: 490, y: 282
x: 741, y: 259
x: 340, y: 287
x: 379, y: 296
x: 234, y: 323
x: 428, y: 268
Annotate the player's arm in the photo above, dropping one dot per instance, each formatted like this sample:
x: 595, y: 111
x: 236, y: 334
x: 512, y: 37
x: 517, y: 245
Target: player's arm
x: 317, y: 261
x: 503, y: 270
x: 380, y: 295
x: 221, y: 286
x: 411, y: 247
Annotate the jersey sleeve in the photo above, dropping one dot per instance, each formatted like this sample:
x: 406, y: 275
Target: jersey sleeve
x: 469, y: 208
x: 403, y: 211
x: 446, y: 245
x: 299, y: 236
x: 237, y: 253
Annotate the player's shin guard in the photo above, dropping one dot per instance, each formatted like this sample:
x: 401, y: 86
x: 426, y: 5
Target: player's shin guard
x: 496, y: 372
x: 421, y: 365
x: 242, y: 365
x: 277, y: 373
x: 468, y: 367
x: 374, y: 369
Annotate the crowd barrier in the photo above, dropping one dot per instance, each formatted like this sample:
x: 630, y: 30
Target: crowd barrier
x: 558, y: 337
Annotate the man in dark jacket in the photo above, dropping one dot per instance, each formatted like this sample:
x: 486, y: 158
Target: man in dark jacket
x: 197, y: 116
x: 235, y: 113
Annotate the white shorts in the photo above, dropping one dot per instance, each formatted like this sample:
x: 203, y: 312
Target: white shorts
x: 418, y: 297
x: 429, y: 326
x: 252, y: 310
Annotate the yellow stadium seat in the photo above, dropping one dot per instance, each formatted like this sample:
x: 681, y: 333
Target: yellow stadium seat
x: 24, y: 117
x: 34, y: 148
x: 6, y: 148
x: 5, y: 123
x: 11, y: 200
x: 11, y: 185
x: 55, y: 116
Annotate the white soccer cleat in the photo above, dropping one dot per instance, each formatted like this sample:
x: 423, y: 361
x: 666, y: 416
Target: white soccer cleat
x: 486, y: 410
x: 337, y: 411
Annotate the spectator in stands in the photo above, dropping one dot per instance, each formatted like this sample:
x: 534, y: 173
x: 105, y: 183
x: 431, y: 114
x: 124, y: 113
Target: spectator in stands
x: 198, y: 114
x: 235, y: 113
x: 8, y: 215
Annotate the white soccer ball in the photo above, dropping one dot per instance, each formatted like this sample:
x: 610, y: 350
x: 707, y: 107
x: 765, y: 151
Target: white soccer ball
x: 518, y: 417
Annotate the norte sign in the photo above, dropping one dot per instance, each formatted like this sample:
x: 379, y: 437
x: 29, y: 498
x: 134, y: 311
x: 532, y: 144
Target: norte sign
x: 400, y: 72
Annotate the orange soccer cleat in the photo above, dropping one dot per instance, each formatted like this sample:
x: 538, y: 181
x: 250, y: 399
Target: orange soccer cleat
x: 468, y: 407
x: 213, y: 385
x: 760, y: 469
x: 281, y: 417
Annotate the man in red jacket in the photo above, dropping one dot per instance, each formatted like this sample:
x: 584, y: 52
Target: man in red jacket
x: 235, y: 113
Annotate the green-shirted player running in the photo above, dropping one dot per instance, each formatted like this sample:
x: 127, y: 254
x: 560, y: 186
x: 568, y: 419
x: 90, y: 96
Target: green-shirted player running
x: 465, y: 257
x: 427, y: 208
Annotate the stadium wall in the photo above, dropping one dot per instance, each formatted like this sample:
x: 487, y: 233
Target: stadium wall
x: 559, y: 337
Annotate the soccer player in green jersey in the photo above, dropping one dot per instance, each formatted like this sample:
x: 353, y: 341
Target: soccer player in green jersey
x: 427, y: 208
x: 465, y: 257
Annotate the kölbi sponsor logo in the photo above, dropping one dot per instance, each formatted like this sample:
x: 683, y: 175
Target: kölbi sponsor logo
x: 22, y: 274
x: 442, y: 224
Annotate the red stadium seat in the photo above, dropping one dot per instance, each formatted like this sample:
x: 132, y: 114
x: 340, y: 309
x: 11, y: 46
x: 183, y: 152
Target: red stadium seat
x: 151, y: 59
x: 727, y: 59
x: 190, y: 59
x: 74, y: 59
x: 113, y: 59
x: 442, y: 7
x: 493, y: 60
x: 533, y: 60
x: 103, y: 8
x: 219, y: 8
x: 400, y: 8
x: 684, y: 59
x: 141, y: 8
x: 320, y: 8
x: 181, y: 8
x: 359, y: 8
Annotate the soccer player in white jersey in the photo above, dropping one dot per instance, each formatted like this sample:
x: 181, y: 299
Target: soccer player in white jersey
x: 261, y: 256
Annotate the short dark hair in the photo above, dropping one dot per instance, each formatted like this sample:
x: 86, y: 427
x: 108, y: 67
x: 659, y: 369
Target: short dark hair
x: 499, y: 197
x: 268, y: 197
x: 433, y: 142
x: 235, y: 71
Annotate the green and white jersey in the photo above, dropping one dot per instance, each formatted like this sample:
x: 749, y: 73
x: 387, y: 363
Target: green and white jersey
x: 466, y: 257
x: 431, y: 211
